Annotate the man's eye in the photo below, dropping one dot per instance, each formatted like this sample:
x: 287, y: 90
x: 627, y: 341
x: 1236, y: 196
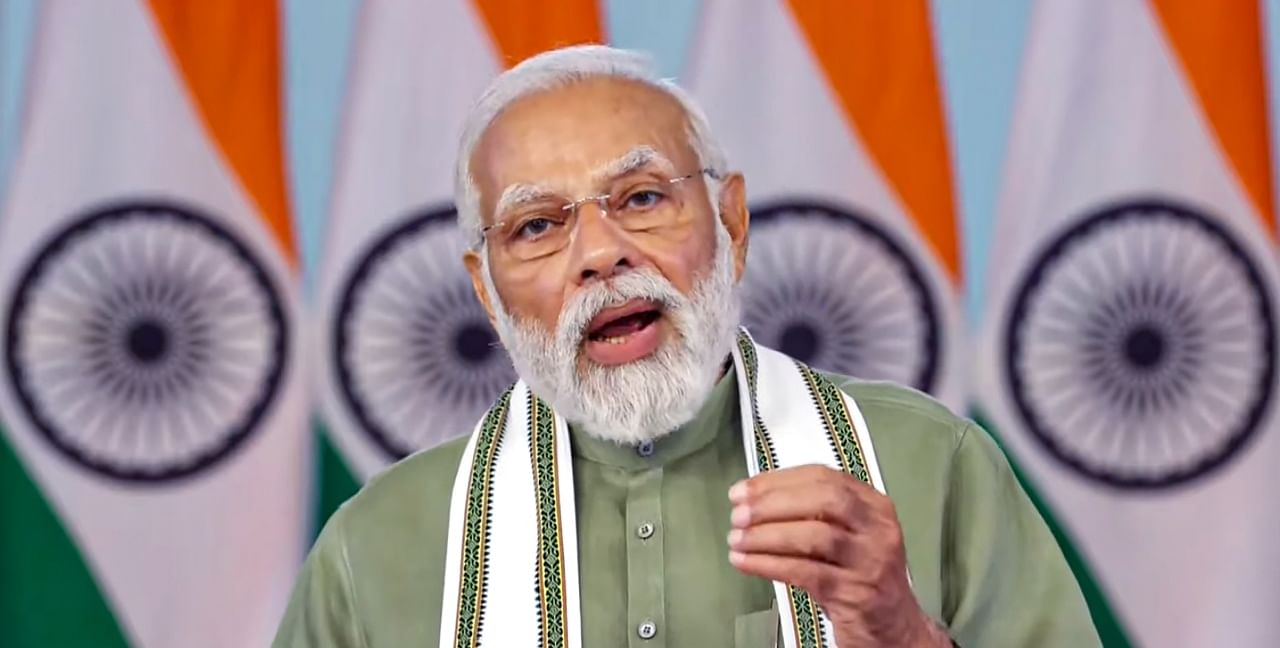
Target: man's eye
x: 535, y: 227
x: 643, y: 199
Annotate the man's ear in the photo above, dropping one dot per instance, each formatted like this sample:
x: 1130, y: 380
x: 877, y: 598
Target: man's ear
x: 736, y: 218
x: 475, y: 267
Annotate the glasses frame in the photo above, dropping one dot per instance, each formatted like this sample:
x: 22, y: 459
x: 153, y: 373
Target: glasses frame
x: 601, y: 201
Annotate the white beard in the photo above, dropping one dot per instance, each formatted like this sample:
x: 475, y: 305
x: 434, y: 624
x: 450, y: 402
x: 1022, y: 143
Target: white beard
x: 642, y: 400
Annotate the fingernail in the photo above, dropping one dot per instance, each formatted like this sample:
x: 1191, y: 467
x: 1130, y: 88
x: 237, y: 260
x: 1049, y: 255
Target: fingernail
x: 735, y: 536
x: 741, y: 516
x: 738, y: 492
x: 736, y: 557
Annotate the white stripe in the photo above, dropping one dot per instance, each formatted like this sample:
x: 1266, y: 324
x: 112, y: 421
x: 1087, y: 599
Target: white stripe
x: 457, y: 535
x: 782, y: 126
x: 1105, y: 113
x: 418, y: 67
x: 569, y: 532
x: 784, y: 396
x: 864, y: 442
x: 111, y: 120
x: 509, y: 618
x: 786, y: 618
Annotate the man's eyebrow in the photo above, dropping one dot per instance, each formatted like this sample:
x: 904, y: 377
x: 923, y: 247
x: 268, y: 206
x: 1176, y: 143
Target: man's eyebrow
x: 520, y: 194
x: 634, y: 160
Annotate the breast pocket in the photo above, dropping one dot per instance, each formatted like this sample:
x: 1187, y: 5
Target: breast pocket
x: 757, y: 629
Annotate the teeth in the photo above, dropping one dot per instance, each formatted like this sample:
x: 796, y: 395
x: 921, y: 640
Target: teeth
x: 613, y: 340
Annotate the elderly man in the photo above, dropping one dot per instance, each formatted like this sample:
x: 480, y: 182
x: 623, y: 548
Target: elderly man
x: 656, y: 478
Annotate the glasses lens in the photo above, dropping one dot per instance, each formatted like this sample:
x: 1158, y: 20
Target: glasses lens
x: 646, y: 205
x: 535, y: 234
x: 635, y: 205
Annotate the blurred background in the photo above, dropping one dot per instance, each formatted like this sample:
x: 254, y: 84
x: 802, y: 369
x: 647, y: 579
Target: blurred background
x: 230, y: 290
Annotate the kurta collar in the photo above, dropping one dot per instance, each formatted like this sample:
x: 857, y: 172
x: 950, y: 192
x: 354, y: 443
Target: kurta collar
x: 720, y: 411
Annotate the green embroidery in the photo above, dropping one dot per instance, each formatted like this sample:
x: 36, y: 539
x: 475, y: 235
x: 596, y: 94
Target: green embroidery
x: 838, y: 422
x: 804, y: 611
x: 552, y: 614
x: 475, y: 529
x: 808, y: 621
x: 764, y: 448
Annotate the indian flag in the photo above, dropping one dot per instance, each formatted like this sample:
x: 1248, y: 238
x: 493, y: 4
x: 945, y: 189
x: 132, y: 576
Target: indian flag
x: 409, y: 359
x: 1129, y: 356
x: 832, y: 111
x: 152, y: 422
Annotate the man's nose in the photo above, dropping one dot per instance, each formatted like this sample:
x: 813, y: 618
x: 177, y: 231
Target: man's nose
x: 600, y: 248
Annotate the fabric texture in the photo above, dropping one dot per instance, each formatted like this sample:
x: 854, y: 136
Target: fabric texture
x: 501, y: 529
x: 982, y: 561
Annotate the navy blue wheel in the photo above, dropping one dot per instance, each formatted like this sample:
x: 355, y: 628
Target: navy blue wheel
x: 416, y: 359
x: 1140, y: 346
x: 146, y: 341
x: 837, y: 291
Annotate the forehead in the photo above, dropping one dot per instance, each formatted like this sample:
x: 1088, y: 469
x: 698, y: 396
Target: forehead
x: 557, y: 138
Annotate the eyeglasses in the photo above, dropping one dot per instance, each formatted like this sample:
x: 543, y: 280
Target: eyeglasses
x: 545, y: 227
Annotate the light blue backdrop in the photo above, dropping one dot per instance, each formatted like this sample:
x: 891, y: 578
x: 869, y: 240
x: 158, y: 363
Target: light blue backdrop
x: 979, y: 41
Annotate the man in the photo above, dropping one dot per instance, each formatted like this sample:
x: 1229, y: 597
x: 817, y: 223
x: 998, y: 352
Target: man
x: 656, y: 478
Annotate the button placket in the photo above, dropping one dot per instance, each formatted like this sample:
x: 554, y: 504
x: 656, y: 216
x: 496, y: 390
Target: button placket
x: 646, y: 583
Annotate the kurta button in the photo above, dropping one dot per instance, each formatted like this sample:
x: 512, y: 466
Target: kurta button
x: 645, y: 531
x: 647, y: 630
x: 645, y: 449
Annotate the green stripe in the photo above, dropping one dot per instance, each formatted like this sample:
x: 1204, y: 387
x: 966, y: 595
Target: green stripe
x: 1104, y: 617
x: 553, y: 618
x: 804, y: 612
x: 335, y: 480
x: 48, y: 597
x: 473, y: 582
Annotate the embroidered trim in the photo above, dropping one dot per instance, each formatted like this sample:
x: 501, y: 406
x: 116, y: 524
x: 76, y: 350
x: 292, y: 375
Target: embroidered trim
x: 838, y: 423
x: 552, y: 615
x: 765, y: 453
x: 804, y: 611
x: 543, y: 433
x: 474, y: 582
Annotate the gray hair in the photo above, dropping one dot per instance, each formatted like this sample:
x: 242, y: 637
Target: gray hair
x: 556, y: 69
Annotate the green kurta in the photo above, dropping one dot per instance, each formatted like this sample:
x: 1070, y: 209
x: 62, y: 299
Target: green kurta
x: 652, y: 527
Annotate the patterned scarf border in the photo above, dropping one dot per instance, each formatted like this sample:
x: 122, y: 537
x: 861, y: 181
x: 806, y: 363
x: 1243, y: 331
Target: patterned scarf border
x: 544, y: 431
x: 808, y: 625
x: 475, y: 543
x: 552, y: 613
x: 838, y: 423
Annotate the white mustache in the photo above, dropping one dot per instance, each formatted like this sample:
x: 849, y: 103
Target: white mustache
x: 643, y: 283
x: 636, y: 401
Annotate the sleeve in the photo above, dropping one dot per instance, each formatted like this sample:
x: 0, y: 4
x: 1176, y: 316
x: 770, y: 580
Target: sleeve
x: 321, y: 611
x: 1006, y: 582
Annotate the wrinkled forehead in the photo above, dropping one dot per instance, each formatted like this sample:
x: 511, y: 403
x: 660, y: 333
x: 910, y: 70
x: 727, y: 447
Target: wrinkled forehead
x: 570, y: 139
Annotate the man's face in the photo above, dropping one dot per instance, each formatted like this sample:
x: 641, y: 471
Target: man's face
x: 578, y: 141
x: 620, y: 320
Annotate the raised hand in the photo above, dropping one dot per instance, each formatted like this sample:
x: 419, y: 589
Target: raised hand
x: 839, y: 539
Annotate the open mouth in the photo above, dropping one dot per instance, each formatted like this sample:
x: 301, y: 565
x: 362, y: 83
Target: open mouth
x: 616, y: 325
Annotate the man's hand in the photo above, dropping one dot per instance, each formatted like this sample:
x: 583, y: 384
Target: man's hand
x: 837, y: 538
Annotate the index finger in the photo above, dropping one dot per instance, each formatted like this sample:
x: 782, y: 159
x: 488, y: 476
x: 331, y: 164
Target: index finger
x: 807, y: 475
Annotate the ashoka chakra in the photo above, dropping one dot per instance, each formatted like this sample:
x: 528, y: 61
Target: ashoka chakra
x: 416, y: 359
x: 837, y: 291
x: 1140, y: 346
x: 146, y: 341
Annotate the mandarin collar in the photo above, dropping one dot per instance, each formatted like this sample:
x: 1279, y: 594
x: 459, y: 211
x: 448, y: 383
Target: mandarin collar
x: 718, y: 411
